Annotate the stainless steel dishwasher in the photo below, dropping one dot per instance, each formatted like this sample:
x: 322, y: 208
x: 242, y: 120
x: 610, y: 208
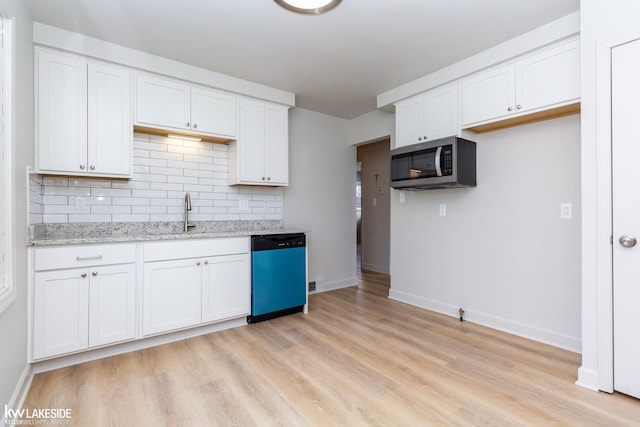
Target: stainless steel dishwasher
x: 278, y: 275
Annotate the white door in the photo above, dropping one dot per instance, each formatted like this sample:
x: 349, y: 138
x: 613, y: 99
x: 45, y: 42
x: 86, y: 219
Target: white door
x: 625, y: 93
x: 171, y: 295
x: 251, y: 141
x: 61, y: 312
x: 112, y: 301
x: 110, y: 130
x: 213, y: 112
x: 62, y: 113
x: 277, y: 144
x: 226, y: 288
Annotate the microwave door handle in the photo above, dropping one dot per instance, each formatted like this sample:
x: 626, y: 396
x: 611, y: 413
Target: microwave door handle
x: 438, y: 168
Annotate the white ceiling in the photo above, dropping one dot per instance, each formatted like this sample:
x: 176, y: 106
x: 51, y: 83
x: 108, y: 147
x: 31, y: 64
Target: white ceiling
x: 335, y: 63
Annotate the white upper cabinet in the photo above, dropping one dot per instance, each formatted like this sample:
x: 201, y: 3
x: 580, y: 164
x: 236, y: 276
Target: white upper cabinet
x: 84, y: 122
x: 427, y: 116
x: 260, y: 155
x: 164, y: 103
x: 544, y: 80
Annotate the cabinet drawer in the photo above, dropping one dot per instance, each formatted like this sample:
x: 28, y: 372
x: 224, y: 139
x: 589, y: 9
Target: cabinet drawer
x: 195, y: 248
x: 84, y: 256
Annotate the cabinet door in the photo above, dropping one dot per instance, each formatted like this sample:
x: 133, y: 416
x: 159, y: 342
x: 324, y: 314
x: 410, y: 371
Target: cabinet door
x: 226, y: 289
x: 251, y: 142
x: 110, y: 129
x: 61, y: 312
x: 171, y: 295
x: 213, y: 112
x: 112, y: 301
x: 162, y: 103
x: 61, y: 113
x: 488, y: 96
x: 441, y: 112
x: 409, y: 121
x: 277, y: 144
x: 549, y: 77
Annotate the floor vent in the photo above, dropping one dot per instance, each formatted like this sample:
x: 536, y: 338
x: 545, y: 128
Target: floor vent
x: 312, y: 286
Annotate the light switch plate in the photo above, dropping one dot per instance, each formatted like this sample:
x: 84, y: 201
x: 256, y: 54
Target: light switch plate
x: 80, y: 203
x: 443, y: 209
x: 566, y: 210
x: 402, y: 197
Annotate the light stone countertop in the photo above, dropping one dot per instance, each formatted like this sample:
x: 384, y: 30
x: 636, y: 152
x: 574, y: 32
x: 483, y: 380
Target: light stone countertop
x: 88, y: 233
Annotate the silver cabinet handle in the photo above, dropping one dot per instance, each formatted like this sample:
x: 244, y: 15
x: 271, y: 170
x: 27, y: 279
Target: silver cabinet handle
x: 82, y: 167
x: 195, y: 126
x: 268, y: 178
x: 94, y: 273
x: 92, y: 167
x: 509, y: 108
x: 627, y: 241
x: 86, y: 258
x: 188, y: 125
x: 206, y: 262
x: 198, y: 263
x: 83, y: 275
x: 518, y: 106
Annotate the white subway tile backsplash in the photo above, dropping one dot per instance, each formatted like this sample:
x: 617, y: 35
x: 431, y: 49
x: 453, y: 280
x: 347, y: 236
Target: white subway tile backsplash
x: 164, y: 169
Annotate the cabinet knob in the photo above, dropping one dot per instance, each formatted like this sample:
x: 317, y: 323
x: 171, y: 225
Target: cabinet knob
x: 94, y: 273
x: 419, y: 138
x: 195, y: 126
x: 263, y: 178
x: 83, y: 275
x: 518, y: 106
x: 509, y: 108
x: 188, y: 124
x: 206, y: 262
x: 198, y: 263
x: 268, y: 178
x: 92, y: 167
x: 82, y: 167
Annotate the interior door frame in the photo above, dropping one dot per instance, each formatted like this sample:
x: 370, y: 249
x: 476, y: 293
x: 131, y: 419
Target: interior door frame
x: 604, y: 199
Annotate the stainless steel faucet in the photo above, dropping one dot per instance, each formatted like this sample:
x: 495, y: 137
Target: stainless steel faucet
x: 187, y: 208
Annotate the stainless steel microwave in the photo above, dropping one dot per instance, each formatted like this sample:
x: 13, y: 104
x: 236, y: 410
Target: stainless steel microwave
x: 442, y: 163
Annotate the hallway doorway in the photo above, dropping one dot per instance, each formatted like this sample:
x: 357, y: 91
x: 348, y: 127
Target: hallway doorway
x: 373, y: 206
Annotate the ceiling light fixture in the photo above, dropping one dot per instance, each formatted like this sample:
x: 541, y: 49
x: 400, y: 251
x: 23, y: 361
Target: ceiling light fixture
x: 309, y: 7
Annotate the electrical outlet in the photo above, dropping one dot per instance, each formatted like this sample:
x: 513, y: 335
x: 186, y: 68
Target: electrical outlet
x: 402, y: 197
x: 80, y: 203
x: 443, y: 210
x: 566, y: 210
x: 243, y: 205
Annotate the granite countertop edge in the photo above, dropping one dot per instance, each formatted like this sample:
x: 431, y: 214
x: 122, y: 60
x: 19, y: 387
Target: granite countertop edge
x: 124, y: 235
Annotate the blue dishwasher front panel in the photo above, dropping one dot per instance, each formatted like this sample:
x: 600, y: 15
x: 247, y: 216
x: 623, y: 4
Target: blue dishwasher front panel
x: 278, y: 280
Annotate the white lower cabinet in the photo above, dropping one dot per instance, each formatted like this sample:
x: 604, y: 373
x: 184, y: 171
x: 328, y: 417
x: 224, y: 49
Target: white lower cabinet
x: 210, y: 284
x: 79, y: 308
x: 86, y: 296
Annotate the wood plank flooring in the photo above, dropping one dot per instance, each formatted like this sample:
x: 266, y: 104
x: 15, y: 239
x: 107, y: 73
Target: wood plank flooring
x: 357, y: 358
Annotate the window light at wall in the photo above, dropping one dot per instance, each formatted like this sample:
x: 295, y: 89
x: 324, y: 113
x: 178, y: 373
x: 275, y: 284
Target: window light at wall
x: 311, y: 7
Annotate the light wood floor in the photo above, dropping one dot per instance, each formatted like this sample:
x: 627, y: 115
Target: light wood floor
x: 357, y: 358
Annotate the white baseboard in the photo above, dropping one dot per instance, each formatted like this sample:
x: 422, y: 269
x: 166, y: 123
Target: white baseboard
x: 19, y: 395
x: 527, y: 331
x: 99, y: 353
x: 588, y: 378
x: 375, y: 267
x: 339, y: 284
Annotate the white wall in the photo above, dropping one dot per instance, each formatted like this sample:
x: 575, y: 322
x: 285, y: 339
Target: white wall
x: 501, y: 252
x: 321, y: 196
x: 601, y: 22
x: 13, y: 321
